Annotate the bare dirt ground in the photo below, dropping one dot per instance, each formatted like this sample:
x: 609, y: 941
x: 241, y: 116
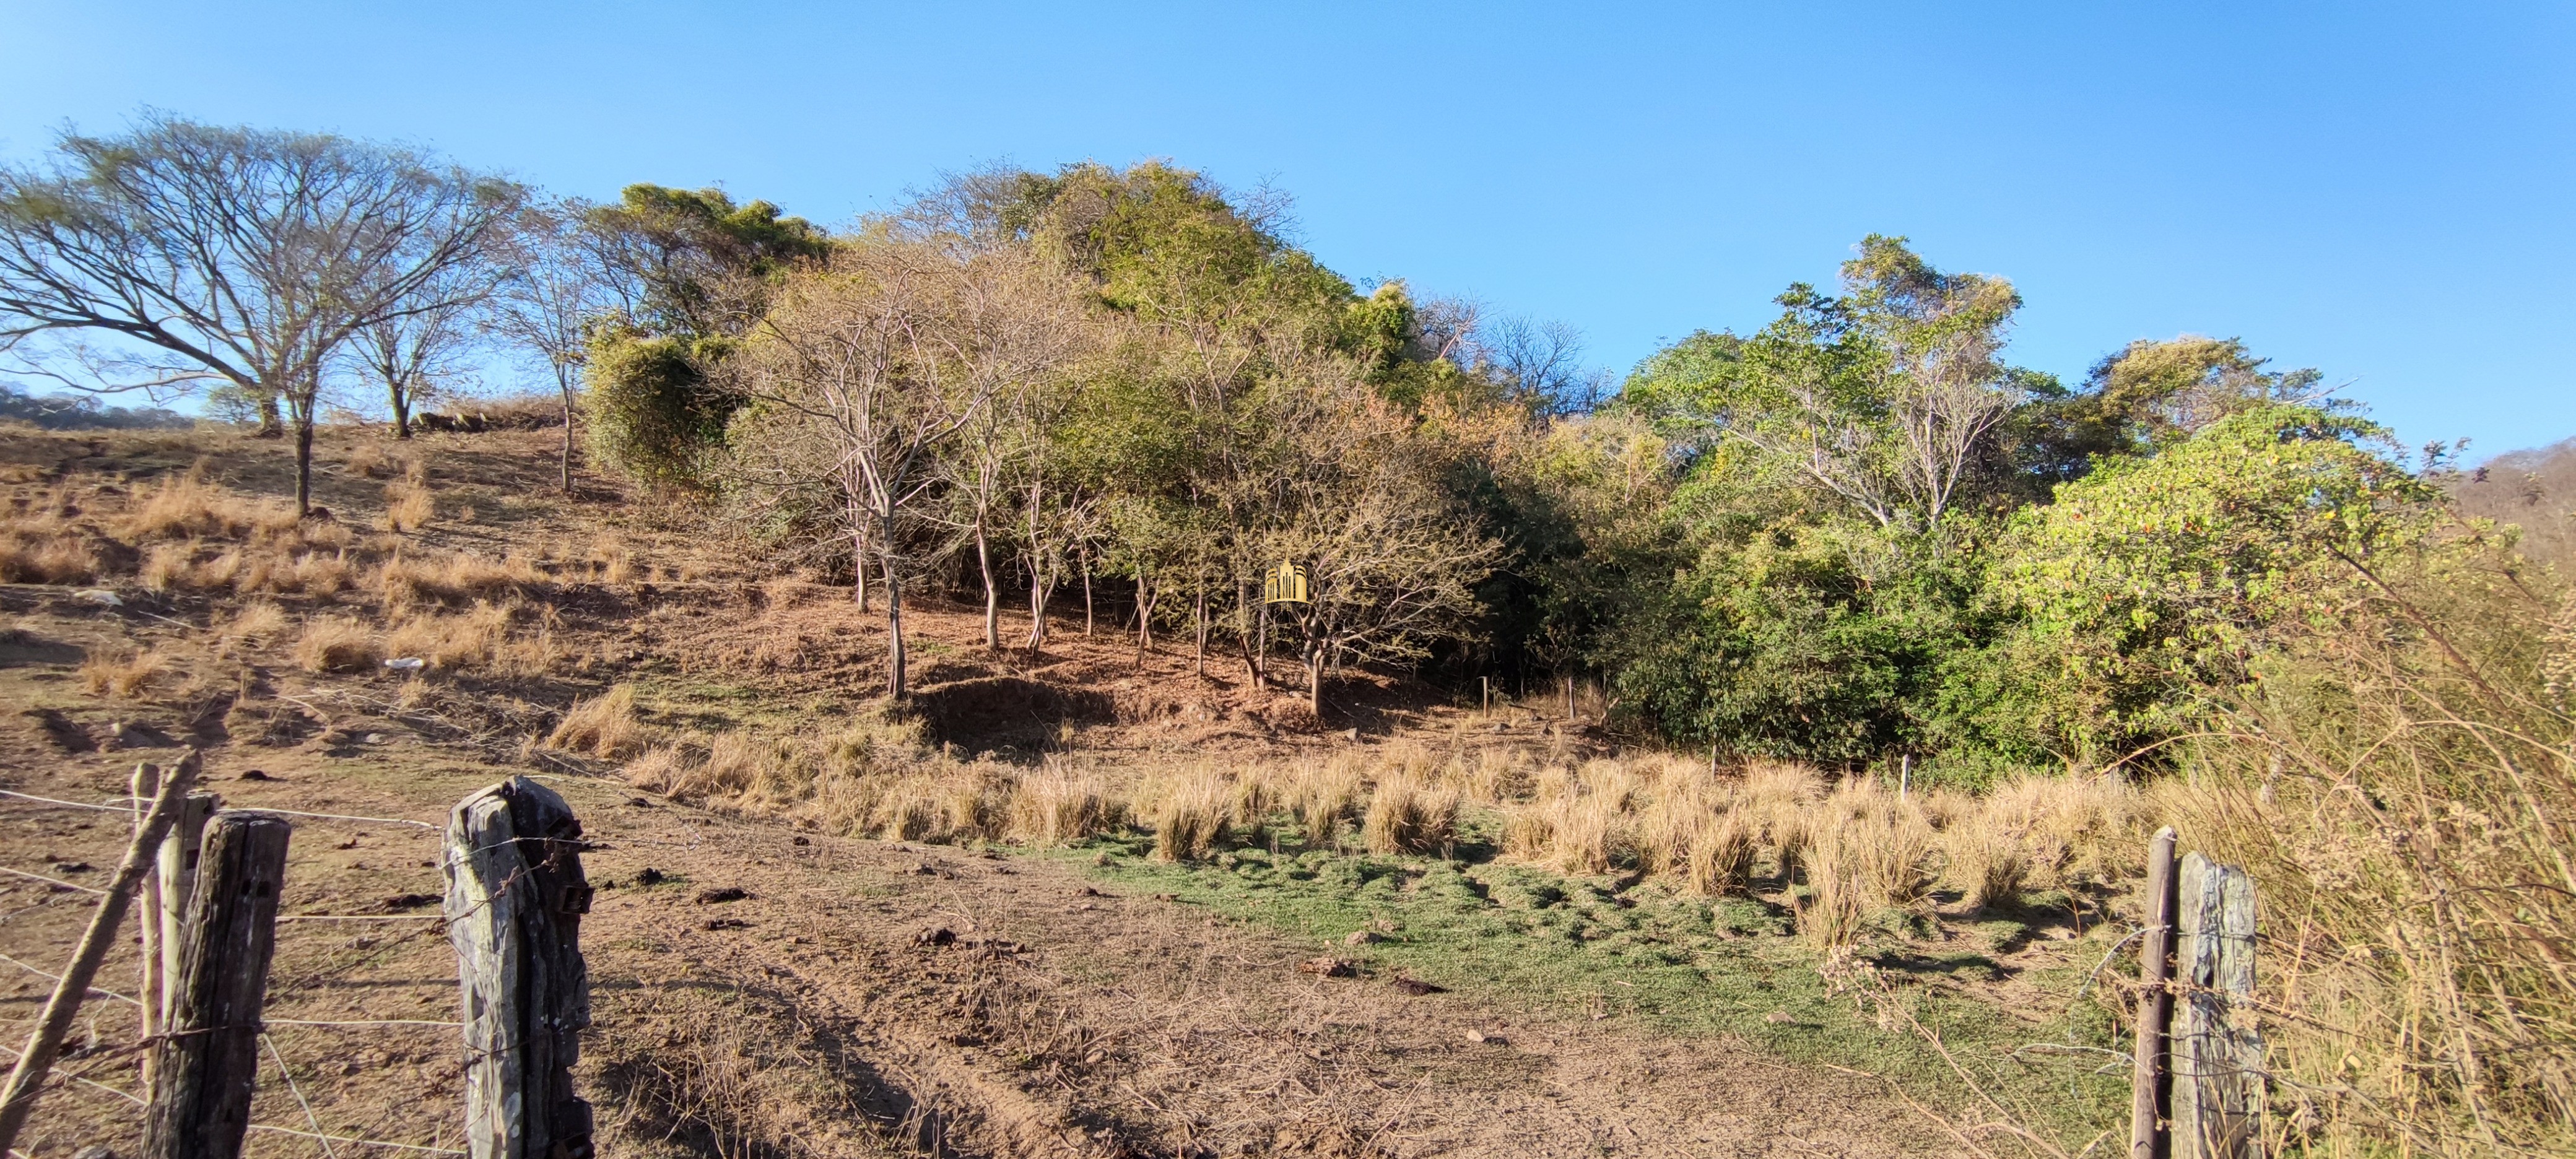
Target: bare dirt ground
x: 860, y: 997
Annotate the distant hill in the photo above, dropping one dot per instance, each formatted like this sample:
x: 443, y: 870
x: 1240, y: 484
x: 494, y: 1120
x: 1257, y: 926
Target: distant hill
x: 2535, y: 489
x: 67, y: 412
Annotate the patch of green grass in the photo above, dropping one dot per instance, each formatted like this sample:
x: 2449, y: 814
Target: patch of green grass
x: 1668, y: 963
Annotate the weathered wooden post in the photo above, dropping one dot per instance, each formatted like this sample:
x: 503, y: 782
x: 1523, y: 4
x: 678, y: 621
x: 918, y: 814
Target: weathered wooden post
x: 515, y: 896
x: 2147, y: 1097
x: 207, y: 1063
x: 27, y: 1077
x: 2216, y: 1055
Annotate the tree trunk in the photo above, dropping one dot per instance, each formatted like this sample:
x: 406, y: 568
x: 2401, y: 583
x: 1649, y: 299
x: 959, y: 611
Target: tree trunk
x: 303, y: 465
x: 401, y: 401
x: 1037, y: 610
x: 992, y: 593
x: 1144, y: 616
x: 1086, y: 593
x: 1261, y: 648
x: 565, y: 383
x: 895, y: 689
x: 1315, y: 681
x: 1202, y: 618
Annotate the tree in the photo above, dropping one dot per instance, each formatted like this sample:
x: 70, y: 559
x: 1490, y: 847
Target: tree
x: 558, y: 292
x: 241, y: 256
x: 2163, y: 392
x: 2148, y: 587
x: 686, y: 273
x: 872, y: 361
x: 1392, y: 566
x: 678, y: 258
x: 406, y: 352
x: 1888, y: 398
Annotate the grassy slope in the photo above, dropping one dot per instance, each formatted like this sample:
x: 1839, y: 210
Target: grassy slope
x: 1680, y: 965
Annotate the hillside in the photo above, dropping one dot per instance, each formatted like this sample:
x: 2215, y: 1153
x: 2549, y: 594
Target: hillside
x: 2534, y: 490
x: 1058, y: 907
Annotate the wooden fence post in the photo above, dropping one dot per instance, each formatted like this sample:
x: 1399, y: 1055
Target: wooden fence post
x: 2216, y: 1054
x: 515, y: 896
x: 2147, y: 1096
x: 27, y: 1077
x: 207, y: 1062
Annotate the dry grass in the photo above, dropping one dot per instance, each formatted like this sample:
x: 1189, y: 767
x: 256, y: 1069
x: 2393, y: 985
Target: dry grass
x: 254, y: 625
x: 604, y: 726
x: 476, y: 639
x: 1832, y: 907
x: 2403, y: 790
x: 1407, y: 814
x: 367, y: 460
x: 40, y: 558
x: 1187, y: 810
x: 123, y: 676
x: 454, y: 579
x: 408, y: 507
x: 337, y: 644
x: 186, y: 506
x: 1055, y: 806
x: 1322, y: 797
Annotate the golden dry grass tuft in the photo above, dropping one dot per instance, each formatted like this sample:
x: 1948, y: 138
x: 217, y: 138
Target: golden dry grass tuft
x: 1055, y: 806
x: 124, y: 676
x: 1187, y: 810
x: 481, y: 638
x: 1408, y: 813
x: 454, y: 578
x: 605, y: 726
x: 408, y: 507
x: 337, y: 644
x: 1322, y: 797
x: 254, y: 625
x: 186, y: 506
x: 37, y: 557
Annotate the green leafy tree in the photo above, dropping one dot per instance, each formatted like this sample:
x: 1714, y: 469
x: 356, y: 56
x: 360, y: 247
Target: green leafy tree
x: 2149, y: 587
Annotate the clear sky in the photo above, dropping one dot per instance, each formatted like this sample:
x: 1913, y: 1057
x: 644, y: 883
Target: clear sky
x: 2381, y: 192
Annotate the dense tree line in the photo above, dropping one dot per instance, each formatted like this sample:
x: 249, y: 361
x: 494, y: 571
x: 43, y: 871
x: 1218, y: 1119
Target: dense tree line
x: 1857, y: 534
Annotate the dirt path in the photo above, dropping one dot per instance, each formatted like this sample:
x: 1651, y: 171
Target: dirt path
x: 825, y: 1014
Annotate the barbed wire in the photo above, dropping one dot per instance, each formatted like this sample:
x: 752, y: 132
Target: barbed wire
x: 67, y: 804
x: 139, y: 1101
x: 51, y: 881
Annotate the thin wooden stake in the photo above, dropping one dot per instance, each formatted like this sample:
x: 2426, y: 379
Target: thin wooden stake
x: 2155, y: 1002
x: 515, y: 896
x: 207, y: 1061
x: 27, y: 1079
x: 147, y: 921
x: 176, y: 880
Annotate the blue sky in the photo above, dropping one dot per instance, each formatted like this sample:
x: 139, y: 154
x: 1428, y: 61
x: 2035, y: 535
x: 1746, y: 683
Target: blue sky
x: 2380, y: 192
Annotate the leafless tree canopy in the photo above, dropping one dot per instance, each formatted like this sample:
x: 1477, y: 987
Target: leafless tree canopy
x: 183, y: 253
